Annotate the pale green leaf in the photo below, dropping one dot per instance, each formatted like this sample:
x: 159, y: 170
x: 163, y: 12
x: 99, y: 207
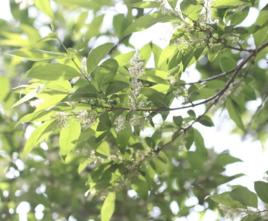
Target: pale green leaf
x: 51, y: 72
x: 103, y: 149
x: 108, y: 207
x: 69, y: 134
x: 45, y: 7
x: 36, y: 54
x: 226, y: 3
x: 38, y: 135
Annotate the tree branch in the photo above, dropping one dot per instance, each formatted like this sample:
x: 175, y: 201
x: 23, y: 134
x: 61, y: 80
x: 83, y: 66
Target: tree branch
x: 215, y: 100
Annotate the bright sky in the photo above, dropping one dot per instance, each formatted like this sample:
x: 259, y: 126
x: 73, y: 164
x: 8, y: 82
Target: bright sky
x: 254, y: 156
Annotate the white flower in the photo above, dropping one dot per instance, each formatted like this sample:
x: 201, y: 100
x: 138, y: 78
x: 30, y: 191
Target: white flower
x: 87, y: 118
x: 120, y: 123
x: 132, y: 102
x: 136, y: 69
x: 61, y: 119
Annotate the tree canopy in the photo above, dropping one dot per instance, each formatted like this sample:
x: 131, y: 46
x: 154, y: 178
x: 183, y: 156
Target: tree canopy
x: 94, y: 128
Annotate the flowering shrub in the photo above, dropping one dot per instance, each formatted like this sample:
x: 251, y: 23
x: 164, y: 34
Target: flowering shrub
x: 98, y: 123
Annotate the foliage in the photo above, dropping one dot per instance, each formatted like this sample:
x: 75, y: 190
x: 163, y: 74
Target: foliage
x: 77, y: 98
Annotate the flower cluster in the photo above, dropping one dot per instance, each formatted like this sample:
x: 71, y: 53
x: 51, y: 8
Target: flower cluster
x: 87, y: 118
x: 61, y: 119
x: 136, y: 69
x: 120, y: 123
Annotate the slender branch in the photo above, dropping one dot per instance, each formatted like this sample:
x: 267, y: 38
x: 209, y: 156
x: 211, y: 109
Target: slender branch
x: 215, y: 100
x: 121, y: 40
x: 201, y: 81
x: 84, y: 75
x: 238, y: 49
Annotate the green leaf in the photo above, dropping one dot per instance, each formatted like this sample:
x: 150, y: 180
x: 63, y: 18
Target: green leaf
x: 51, y: 72
x: 38, y: 135
x: 206, y: 121
x: 123, y: 59
x: 225, y: 158
x: 94, y: 27
x: 69, y: 135
x: 234, y: 115
x: 124, y: 135
x: 103, y: 149
x: 226, y: 3
x: 261, y: 189
x: 53, y: 93
x: 198, y: 140
x: 189, y: 138
x: 105, y: 123
x: 191, y: 9
x: 105, y: 73
x: 27, y: 97
x: 116, y: 86
x: 96, y: 55
x: 226, y: 200
x: 178, y: 121
x: 89, y: 4
x: 44, y: 6
x: 140, y: 185
x: 227, y: 63
x: 262, y: 18
x: 120, y: 23
x: 156, y: 97
x: 244, y: 196
x: 36, y: 54
x: 148, y: 4
x: 108, y: 207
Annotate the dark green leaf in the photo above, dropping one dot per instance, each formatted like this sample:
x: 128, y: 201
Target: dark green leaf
x: 261, y: 189
x: 244, y: 196
x: 234, y: 115
x: 206, y: 121
x: 227, y: 63
x: 96, y: 55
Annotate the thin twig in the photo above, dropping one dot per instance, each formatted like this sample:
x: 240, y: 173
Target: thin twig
x: 84, y: 75
x: 181, y: 131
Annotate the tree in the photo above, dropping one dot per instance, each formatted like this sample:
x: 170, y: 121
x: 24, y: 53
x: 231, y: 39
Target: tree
x: 76, y: 97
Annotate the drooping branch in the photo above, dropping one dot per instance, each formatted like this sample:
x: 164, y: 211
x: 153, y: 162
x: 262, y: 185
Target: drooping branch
x: 214, y: 100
